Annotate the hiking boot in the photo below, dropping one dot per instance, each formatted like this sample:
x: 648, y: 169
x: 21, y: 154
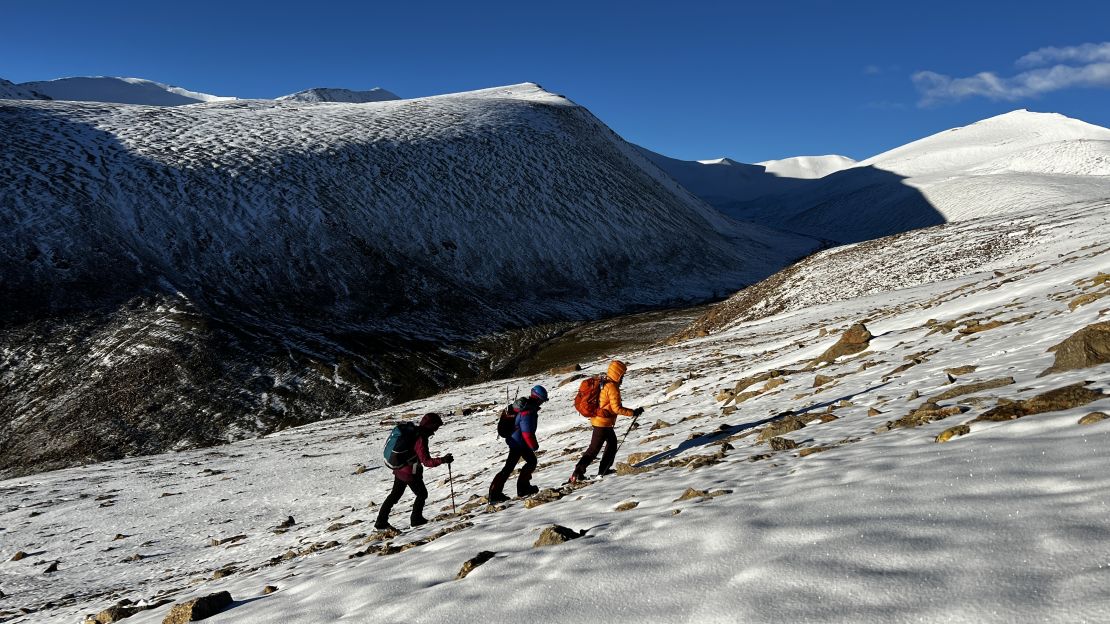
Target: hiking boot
x: 606, y: 472
x: 415, y: 522
x: 497, y: 498
x: 530, y: 490
x: 385, y: 526
x: 576, y: 478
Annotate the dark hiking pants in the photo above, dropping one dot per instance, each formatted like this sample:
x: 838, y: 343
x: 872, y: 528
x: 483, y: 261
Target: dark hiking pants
x: 417, y: 487
x: 524, y: 481
x: 602, y: 435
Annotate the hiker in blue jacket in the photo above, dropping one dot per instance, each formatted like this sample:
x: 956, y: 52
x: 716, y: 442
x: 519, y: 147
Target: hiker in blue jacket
x: 522, y: 444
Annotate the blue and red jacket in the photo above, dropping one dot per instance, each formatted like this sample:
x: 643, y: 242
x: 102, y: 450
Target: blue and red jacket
x: 527, y: 415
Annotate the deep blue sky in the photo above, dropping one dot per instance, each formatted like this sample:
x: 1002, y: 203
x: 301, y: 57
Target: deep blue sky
x: 751, y: 81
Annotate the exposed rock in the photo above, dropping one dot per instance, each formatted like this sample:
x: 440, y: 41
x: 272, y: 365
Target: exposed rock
x: 1087, y: 347
x: 115, y: 613
x: 53, y: 567
x: 913, y: 396
x: 953, y: 432
x: 19, y: 554
x: 120, y: 536
x: 227, y: 540
x: 224, y: 572
x: 970, y: 388
x: 926, y: 413
x: 782, y: 444
x: 1092, y: 418
x: 659, y: 424
x: 557, y: 534
x: 544, y: 496
x: 780, y: 427
x: 198, y: 608
x: 567, y: 368
x: 974, y: 326
x: 856, y: 339
x: 873, y: 412
x: 692, y: 493
x: 269, y: 589
x: 728, y: 410
x: 961, y: 370
x: 474, y: 562
x: 636, y: 458
x: 826, y: 418
x: 628, y: 469
x: 820, y: 380
x: 627, y: 506
x: 810, y: 450
x: 675, y: 386
x: 572, y: 379
x: 1084, y: 299
x: 773, y: 383
x: 1067, y: 397
x: 287, y: 523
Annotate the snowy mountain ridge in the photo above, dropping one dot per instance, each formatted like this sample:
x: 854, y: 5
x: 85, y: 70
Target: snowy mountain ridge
x: 120, y: 91
x: 323, y: 94
x: 230, y: 268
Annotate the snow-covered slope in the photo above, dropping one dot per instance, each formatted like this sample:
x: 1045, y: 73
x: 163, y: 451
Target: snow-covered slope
x: 11, y: 91
x: 119, y: 91
x: 807, y: 167
x: 194, y: 274
x: 851, y: 518
x: 322, y: 94
x: 1005, y: 164
x: 723, y: 181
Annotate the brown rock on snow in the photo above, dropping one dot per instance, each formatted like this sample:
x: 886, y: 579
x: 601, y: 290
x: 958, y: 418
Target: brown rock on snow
x: 18, y: 556
x: 810, y: 450
x: 675, y: 386
x: 778, y: 428
x: 854, y: 340
x: 627, y: 506
x: 692, y: 493
x: 198, y: 608
x: 782, y: 444
x: 873, y: 412
x: 970, y: 388
x: 659, y: 424
x: 953, y: 432
x: 269, y: 589
x: 961, y: 370
x: 1092, y: 418
x: 820, y: 380
x: 1054, y: 400
x: 566, y: 368
x: 557, y: 534
x: 1087, y: 347
x: 474, y: 562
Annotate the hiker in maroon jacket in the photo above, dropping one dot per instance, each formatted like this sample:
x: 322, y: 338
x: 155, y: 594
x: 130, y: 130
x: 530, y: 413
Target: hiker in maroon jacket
x: 411, y: 475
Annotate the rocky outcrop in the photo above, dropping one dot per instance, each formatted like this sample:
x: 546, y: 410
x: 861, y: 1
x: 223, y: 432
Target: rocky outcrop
x: 557, y: 534
x: 856, y: 339
x: 1085, y: 348
x: 198, y: 608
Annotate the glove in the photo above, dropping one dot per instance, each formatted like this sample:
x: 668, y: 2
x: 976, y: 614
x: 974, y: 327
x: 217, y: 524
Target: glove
x: 637, y: 411
x: 448, y: 458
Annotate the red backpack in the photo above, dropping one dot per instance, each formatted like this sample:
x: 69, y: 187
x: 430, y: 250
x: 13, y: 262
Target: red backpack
x: 588, y: 399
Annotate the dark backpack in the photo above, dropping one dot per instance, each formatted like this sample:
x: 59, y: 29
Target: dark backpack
x: 400, y: 447
x: 588, y: 399
x: 506, y: 423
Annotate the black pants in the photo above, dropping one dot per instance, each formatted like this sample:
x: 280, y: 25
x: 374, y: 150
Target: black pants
x: 417, y: 487
x: 524, y: 481
x: 602, y: 435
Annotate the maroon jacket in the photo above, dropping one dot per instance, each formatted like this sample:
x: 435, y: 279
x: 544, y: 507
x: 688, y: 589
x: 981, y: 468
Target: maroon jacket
x: 410, y: 471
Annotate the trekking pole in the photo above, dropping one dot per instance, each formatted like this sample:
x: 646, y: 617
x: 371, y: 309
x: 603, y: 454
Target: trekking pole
x: 451, y: 482
x: 630, y: 426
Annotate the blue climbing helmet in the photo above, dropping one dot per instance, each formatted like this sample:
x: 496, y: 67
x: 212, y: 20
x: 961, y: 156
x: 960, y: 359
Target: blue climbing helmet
x: 539, y: 392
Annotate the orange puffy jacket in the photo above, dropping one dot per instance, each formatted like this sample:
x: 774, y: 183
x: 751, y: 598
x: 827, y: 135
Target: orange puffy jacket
x: 610, y: 400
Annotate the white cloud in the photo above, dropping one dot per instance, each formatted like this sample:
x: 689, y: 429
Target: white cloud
x: 1088, y: 65
x: 1083, y: 54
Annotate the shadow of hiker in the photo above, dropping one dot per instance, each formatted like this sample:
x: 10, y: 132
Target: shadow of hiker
x: 733, y: 430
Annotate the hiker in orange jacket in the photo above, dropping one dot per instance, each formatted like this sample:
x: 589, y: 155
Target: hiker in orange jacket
x: 611, y: 406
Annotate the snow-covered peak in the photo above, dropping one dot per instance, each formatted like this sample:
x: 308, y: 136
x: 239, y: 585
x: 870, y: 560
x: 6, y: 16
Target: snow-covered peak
x: 996, y: 137
x: 11, y: 91
x: 325, y: 94
x: 807, y: 167
x: 119, y: 91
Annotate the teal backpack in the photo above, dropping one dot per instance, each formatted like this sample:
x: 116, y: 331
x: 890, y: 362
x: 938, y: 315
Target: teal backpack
x: 400, y: 446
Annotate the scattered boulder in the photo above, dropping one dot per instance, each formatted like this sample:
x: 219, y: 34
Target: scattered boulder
x: 701, y: 495
x: 675, y: 386
x: 544, y: 496
x: 826, y: 418
x: 224, y: 572
x: 974, y: 326
x: 961, y: 370
x: 269, y: 589
x: 624, y: 469
x: 810, y: 450
x: 226, y: 540
x: 557, y: 534
x: 115, y: 613
x: 1092, y: 418
x: 636, y: 458
x: 1084, y: 299
x: 53, y: 567
x: 780, y: 427
x: 474, y: 562
x: 287, y: 523
x: 1067, y: 397
x: 19, y: 555
x: 873, y: 412
x: 630, y: 505
x: 1087, y: 347
x: 773, y: 383
x: 120, y: 536
x: 970, y: 388
x: 659, y: 424
x: 198, y: 608
x: 782, y: 444
x: 953, y: 432
x: 926, y: 413
x: 820, y: 380
x: 854, y: 340
x: 566, y: 368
